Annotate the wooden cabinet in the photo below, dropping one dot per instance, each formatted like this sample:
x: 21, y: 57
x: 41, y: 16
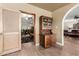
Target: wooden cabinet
x: 45, y: 23
x: 47, y: 41
x: 10, y: 34
x: 46, y: 35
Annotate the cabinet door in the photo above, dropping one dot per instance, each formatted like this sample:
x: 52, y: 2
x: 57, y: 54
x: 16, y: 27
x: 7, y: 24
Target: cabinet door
x: 53, y: 40
x: 11, y: 29
x: 47, y: 41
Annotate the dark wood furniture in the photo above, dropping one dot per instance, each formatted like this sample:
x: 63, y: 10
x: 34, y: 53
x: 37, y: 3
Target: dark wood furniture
x: 27, y: 36
x: 46, y: 35
x: 74, y: 32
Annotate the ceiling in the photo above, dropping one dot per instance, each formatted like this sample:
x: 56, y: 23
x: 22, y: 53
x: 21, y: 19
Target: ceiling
x: 49, y: 6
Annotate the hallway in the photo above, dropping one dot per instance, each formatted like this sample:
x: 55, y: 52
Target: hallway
x: 71, y: 48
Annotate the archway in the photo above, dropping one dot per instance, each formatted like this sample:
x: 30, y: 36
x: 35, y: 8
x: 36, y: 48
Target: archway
x: 64, y: 19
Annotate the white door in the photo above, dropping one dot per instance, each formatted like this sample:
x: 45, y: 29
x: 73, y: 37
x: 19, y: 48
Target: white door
x: 1, y: 32
x: 11, y: 30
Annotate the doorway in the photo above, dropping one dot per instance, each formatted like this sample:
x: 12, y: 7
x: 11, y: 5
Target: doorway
x: 70, y: 27
x: 27, y: 27
x: 71, y: 31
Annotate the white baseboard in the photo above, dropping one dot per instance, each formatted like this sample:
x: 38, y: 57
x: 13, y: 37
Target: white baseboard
x: 10, y: 51
x: 37, y: 44
x: 60, y: 44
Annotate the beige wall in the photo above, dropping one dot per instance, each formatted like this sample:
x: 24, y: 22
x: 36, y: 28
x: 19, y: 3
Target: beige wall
x: 31, y: 9
x: 57, y: 20
x: 57, y: 16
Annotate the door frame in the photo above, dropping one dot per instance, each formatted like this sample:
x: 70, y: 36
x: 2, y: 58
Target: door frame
x: 72, y: 8
x: 34, y: 23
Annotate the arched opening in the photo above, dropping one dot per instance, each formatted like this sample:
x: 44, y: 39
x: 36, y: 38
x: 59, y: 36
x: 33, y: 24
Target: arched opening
x: 72, y: 14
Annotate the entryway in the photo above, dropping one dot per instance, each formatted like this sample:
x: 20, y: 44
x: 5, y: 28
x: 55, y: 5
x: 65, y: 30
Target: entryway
x: 70, y: 20
x: 71, y: 31
x: 27, y: 28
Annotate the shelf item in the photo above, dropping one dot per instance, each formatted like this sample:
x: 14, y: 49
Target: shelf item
x: 46, y: 22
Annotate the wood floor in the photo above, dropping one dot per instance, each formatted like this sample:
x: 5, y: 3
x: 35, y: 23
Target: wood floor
x: 71, y: 48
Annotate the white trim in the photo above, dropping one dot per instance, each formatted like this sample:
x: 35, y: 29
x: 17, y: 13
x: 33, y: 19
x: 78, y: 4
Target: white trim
x: 37, y: 44
x: 19, y: 31
x: 10, y: 33
x: 58, y: 43
x: 64, y: 19
x: 10, y: 51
